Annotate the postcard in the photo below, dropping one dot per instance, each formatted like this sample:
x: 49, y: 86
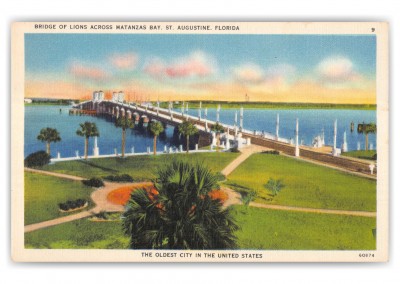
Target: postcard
x: 200, y: 142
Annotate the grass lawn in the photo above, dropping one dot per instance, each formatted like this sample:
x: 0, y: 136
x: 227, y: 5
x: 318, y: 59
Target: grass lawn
x: 284, y: 230
x: 306, y: 184
x: 79, y: 234
x: 140, y: 167
x: 362, y: 154
x: 260, y: 229
x: 43, y: 193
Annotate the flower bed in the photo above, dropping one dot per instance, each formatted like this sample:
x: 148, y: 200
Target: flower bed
x: 121, y: 195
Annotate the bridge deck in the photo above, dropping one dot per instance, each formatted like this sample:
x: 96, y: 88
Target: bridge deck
x: 322, y: 156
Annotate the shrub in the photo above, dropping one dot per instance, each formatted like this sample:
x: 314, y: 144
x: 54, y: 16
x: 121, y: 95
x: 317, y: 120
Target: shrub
x: 119, y: 178
x: 72, y: 204
x: 220, y: 177
x: 271, y: 152
x: 37, y: 159
x: 93, y: 182
x: 235, y: 150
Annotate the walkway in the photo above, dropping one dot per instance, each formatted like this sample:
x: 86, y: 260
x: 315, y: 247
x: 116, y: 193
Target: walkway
x: 245, y: 153
x: 98, y: 196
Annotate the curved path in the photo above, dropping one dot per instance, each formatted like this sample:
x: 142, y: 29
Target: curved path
x: 99, y: 197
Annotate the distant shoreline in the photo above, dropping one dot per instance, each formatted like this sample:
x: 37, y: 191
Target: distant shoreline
x: 236, y: 105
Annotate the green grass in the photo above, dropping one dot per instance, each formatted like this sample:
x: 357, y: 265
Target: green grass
x: 79, y: 234
x: 306, y: 184
x: 284, y: 230
x: 139, y: 167
x: 260, y: 229
x: 43, y: 193
x: 362, y: 154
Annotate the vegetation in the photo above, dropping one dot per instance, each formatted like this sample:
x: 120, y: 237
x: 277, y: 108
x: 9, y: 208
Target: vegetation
x: 93, y: 182
x: 72, y: 204
x: 248, y: 197
x: 125, y: 123
x: 79, y: 234
x: 119, y: 178
x: 274, y: 186
x: 87, y: 130
x: 286, y: 230
x: 271, y: 152
x: 139, y: 169
x: 307, y: 184
x: 187, y: 129
x: 366, y: 129
x: 156, y: 128
x: 260, y: 229
x: 49, y: 135
x: 37, y: 159
x: 367, y: 155
x: 179, y: 214
x: 43, y: 194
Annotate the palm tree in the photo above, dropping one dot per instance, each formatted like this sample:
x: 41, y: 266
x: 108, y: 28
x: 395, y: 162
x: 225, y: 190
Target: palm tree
x: 218, y: 129
x: 188, y: 129
x: 178, y: 213
x: 124, y: 122
x: 88, y: 129
x: 275, y: 186
x: 49, y: 135
x: 156, y: 128
x: 366, y: 129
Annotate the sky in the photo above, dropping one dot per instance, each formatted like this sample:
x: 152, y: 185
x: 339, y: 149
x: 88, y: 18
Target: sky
x: 275, y: 68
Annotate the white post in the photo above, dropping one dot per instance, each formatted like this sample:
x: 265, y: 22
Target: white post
x: 180, y: 148
x: 358, y: 146
x: 241, y: 119
x: 148, y: 149
x: 227, y: 144
x: 183, y: 108
x: 158, y: 107
x: 235, y: 124
x: 133, y: 150
x: 196, y: 147
x: 218, y: 109
x: 95, y: 148
x: 297, y: 150
x: 205, y: 118
x: 77, y: 153
x: 371, y: 146
x: 344, y: 146
x: 165, y: 148
x: 371, y: 168
x: 58, y: 155
x: 199, y: 112
x: 277, y: 128
x: 334, y: 153
x: 115, y: 152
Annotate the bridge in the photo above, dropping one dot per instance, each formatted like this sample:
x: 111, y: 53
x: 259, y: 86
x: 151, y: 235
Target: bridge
x: 234, y: 136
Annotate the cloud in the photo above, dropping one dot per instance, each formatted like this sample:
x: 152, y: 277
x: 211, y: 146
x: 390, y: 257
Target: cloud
x: 337, y: 69
x: 125, y: 61
x: 87, y: 72
x: 196, y: 64
x: 283, y: 70
x: 248, y: 73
